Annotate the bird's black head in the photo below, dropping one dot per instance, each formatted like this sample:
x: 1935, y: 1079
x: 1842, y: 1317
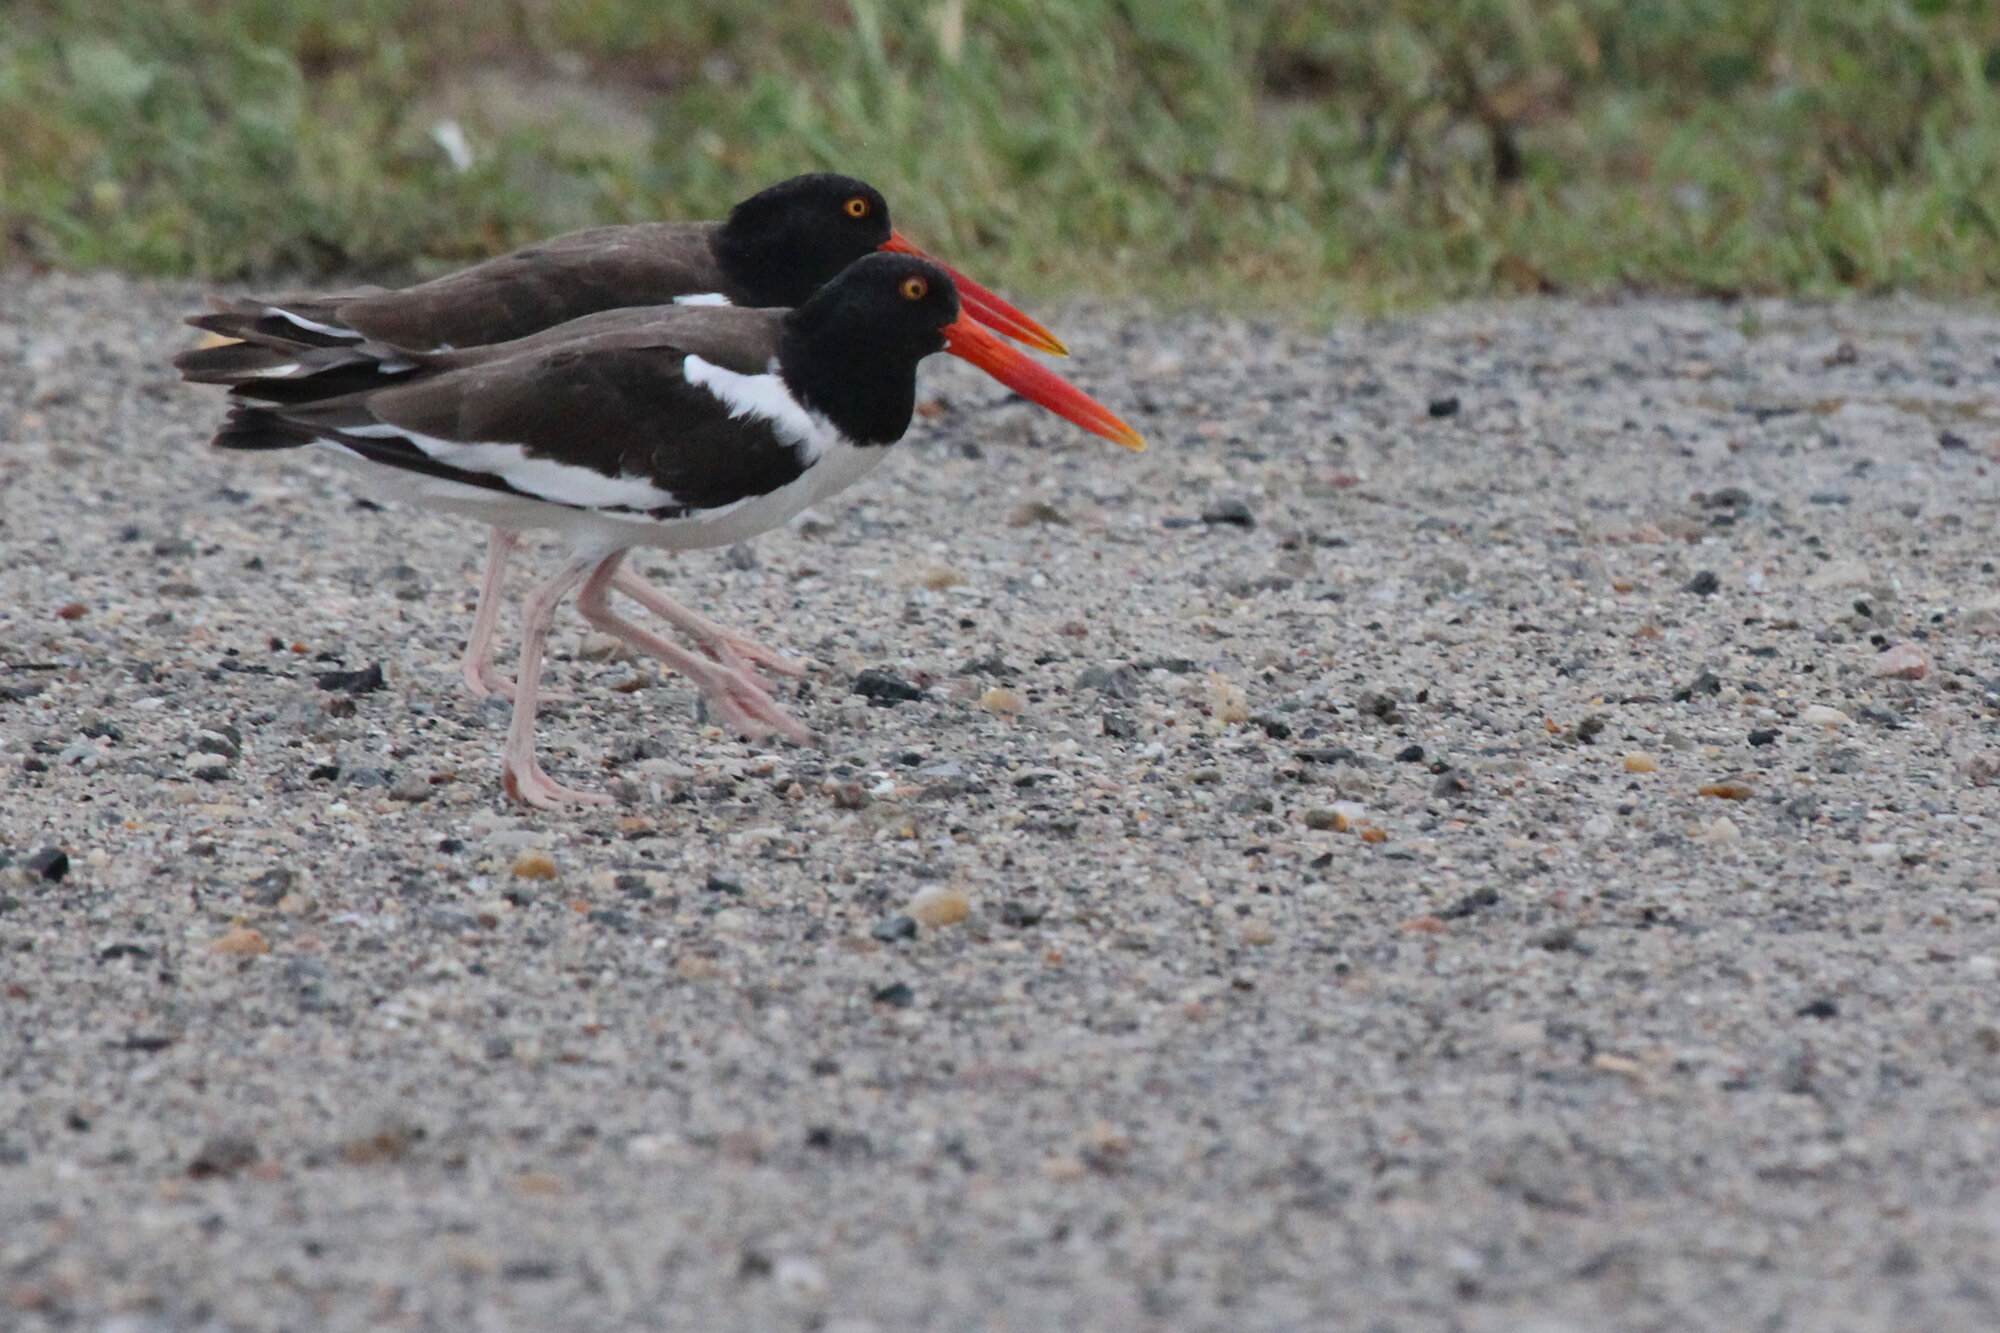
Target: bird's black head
x: 783, y: 244
x: 851, y: 352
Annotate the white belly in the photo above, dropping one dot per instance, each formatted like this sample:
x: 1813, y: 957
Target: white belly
x: 838, y: 466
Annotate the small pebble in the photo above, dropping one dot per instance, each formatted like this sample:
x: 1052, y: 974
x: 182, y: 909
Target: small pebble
x: 897, y: 995
x: 1722, y: 830
x: 1227, y: 703
x: 939, y: 577
x: 1819, y: 715
x: 1638, y: 761
x: 50, y: 863
x: 223, y: 1155
x: 1002, y: 701
x: 939, y: 906
x: 1020, y: 915
x: 1727, y: 791
x: 1902, y: 662
x: 1258, y: 932
x: 534, y: 864
x: 242, y: 942
x: 208, y: 767
x: 411, y: 787
x: 891, y: 929
x: 885, y: 689
x: 1235, y: 513
x: 365, y: 681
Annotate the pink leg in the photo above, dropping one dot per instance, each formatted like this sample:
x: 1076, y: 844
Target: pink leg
x: 737, y: 695
x: 477, y: 665
x: 732, y: 650
x: 519, y: 772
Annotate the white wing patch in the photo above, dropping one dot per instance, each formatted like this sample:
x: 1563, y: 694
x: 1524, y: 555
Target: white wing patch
x: 331, y: 330
x: 543, y: 478
x: 766, y: 398
x: 702, y: 298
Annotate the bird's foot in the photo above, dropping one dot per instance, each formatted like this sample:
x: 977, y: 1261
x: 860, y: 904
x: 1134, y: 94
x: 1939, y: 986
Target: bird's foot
x: 528, y: 784
x: 740, y: 701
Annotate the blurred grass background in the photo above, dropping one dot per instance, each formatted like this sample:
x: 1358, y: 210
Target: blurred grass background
x: 1354, y: 153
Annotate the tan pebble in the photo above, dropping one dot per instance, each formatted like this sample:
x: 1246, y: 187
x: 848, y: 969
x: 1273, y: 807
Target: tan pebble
x: 1727, y: 791
x: 1227, y: 703
x: 1003, y: 701
x: 1649, y: 533
x: 1638, y: 761
x: 1425, y: 925
x: 1722, y: 830
x: 1902, y: 662
x: 634, y: 824
x: 537, y: 1182
x: 939, y: 577
x: 1257, y: 933
x: 937, y: 906
x: 1374, y: 835
x: 534, y: 864
x: 688, y: 967
x: 242, y: 942
x: 1819, y: 715
x: 1616, y: 1064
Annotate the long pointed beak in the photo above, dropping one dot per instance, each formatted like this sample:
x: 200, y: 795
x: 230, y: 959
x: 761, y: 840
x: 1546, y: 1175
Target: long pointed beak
x: 983, y: 305
x: 970, y: 342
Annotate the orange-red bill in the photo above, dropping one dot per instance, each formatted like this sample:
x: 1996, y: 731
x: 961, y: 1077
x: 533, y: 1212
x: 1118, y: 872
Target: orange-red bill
x: 990, y: 309
x: 1033, y: 381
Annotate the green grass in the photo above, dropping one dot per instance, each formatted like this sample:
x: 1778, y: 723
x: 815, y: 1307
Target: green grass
x: 1337, y: 154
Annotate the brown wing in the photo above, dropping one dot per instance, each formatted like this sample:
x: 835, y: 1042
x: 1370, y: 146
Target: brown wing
x: 543, y: 285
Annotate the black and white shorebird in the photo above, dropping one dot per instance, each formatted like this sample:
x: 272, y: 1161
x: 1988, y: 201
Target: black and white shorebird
x: 775, y: 249
x: 671, y: 426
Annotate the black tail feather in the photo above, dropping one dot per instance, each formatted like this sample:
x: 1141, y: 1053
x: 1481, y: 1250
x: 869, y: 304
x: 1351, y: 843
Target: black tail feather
x: 249, y: 427
x: 293, y: 374
x: 255, y: 319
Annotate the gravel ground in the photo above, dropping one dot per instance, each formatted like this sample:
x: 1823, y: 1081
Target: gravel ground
x: 1488, y: 825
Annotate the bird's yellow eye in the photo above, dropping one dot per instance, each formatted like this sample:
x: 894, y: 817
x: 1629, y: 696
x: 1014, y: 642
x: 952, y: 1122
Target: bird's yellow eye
x: 914, y: 289
x: 857, y: 207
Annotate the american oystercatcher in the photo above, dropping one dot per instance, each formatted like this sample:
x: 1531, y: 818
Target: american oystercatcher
x: 672, y: 426
x: 775, y: 249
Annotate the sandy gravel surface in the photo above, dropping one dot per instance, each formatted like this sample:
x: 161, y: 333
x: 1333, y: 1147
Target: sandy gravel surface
x: 1490, y: 824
